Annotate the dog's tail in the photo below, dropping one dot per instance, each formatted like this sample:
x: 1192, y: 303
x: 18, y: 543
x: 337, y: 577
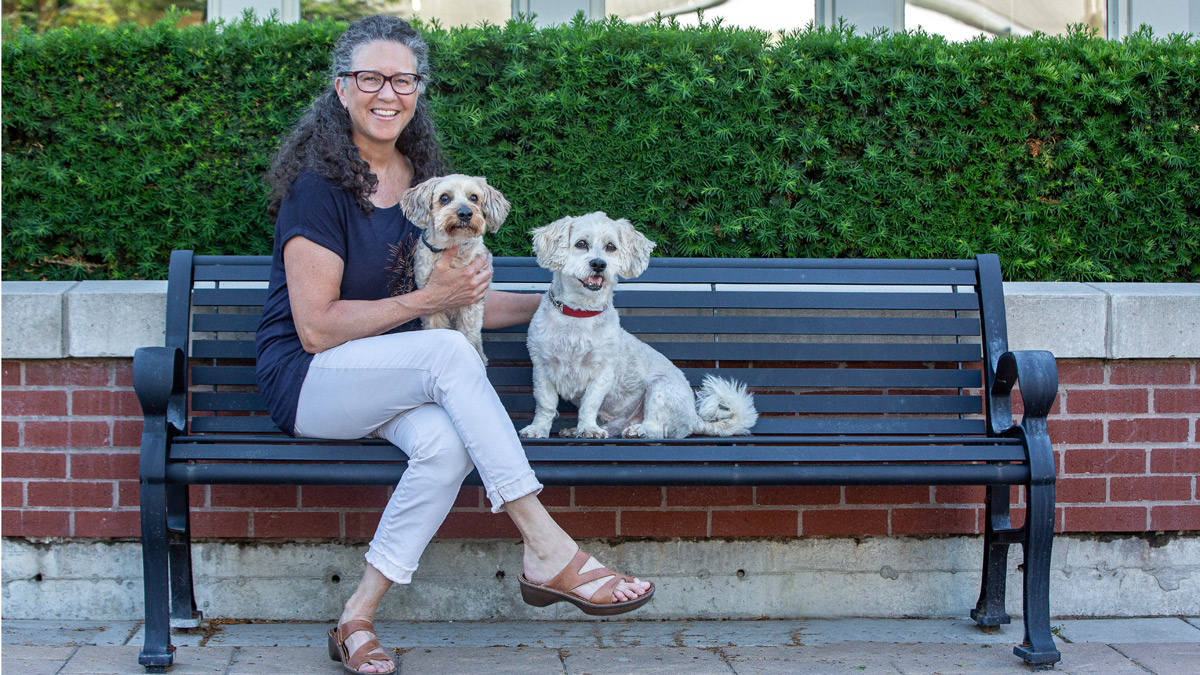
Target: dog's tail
x: 725, y: 408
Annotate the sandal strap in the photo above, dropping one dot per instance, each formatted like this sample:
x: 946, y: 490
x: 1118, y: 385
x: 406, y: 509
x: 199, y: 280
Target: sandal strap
x: 605, y: 594
x: 363, y: 654
x: 351, y: 627
x: 569, y: 578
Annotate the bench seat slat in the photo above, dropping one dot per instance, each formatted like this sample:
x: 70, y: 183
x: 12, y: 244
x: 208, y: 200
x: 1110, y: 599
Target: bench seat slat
x: 909, y: 378
x: 821, y: 403
x: 680, y: 299
x: 799, y: 325
x: 783, y: 351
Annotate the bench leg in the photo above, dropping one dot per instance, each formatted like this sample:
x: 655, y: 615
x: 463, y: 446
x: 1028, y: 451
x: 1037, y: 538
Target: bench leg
x: 1038, y: 649
x: 157, y: 652
x: 183, y: 602
x: 989, y: 611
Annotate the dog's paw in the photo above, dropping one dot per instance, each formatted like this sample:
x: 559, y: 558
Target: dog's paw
x: 588, y: 432
x: 634, y: 431
x: 534, y: 431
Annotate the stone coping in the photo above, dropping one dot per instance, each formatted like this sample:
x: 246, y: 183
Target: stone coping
x: 89, y: 319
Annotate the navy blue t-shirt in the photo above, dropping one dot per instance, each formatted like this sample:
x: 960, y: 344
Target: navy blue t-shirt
x: 376, y: 251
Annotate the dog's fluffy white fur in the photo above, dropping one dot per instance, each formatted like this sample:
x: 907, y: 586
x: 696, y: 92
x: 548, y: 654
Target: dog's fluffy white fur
x: 621, y: 385
x: 451, y: 211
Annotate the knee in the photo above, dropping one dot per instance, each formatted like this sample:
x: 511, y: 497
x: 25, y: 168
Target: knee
x: 445, y: 453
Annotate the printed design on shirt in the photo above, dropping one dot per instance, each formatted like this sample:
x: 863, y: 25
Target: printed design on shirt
x: 400, y: 264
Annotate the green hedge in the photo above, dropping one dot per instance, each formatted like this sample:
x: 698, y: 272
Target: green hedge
x: 1073, y: 158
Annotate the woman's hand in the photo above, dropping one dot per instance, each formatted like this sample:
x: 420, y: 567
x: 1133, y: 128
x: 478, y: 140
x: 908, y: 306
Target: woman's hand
x: 450, y: 288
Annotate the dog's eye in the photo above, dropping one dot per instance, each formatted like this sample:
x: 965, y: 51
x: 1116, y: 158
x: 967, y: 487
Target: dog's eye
x: 444, y: 199
x: 610, y: 247
x: 581, y: 244
x: 475, y: 199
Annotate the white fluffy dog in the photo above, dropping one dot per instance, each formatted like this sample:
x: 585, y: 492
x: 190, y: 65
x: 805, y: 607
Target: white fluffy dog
x: 581, y: 353
x: 451, y: 211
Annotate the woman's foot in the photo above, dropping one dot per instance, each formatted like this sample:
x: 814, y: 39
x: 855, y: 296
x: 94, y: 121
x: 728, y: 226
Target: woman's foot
x: 379, y: 661
x: 542, y: 568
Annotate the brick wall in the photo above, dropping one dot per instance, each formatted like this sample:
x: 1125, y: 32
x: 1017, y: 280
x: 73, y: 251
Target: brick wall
x: 1126, y: 434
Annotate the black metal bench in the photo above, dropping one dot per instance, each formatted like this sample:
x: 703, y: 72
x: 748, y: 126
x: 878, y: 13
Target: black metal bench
x: 865, y: 372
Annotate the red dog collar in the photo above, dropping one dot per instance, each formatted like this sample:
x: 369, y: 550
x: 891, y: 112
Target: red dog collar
x: 571, y: 311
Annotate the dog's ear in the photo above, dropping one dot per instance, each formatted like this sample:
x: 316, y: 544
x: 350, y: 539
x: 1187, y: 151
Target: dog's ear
x: 635, y: 250
x: 417, y: 203
x: 495, y: 206
x: 550, y: 244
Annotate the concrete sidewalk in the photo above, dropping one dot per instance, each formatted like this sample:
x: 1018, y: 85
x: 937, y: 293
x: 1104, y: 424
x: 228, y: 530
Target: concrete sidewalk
x: 1163, y: 646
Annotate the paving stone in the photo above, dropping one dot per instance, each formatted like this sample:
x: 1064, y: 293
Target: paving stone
x: 644, y: 660
x: 123, y: 661
x: 493, y: 661
x: 1193, y: 620
x: 296, y: 634
x: 67, y: 633
x: 1094, y: 658
x: 1177, y: 658
x: 941, y: 631
x: 1159, y: 629
x: 34, y: 660
x: 282, y: 661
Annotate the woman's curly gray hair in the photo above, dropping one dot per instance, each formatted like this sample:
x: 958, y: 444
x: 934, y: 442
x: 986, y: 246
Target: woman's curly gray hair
x: 322, y: 140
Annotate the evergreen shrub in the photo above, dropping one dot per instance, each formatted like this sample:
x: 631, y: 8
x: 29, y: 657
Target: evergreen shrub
x: 1073, y: 158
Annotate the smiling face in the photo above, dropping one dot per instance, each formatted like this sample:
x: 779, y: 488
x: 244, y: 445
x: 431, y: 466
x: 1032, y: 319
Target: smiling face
x: 591, y: 252
x: 377, y: 118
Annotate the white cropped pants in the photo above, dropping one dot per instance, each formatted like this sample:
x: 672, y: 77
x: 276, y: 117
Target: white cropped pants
x: 426, y: 392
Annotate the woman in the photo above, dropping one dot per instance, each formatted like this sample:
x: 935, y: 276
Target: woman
x: 338, y: 356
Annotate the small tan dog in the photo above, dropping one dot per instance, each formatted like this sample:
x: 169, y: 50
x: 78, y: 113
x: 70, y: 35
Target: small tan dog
x: 451, y: 211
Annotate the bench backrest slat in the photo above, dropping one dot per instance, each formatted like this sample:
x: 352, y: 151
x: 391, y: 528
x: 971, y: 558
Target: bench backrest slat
x: 827, y: 346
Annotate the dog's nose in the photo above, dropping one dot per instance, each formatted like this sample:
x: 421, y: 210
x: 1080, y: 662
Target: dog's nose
x: 598, y: 265
x: 464, y: 213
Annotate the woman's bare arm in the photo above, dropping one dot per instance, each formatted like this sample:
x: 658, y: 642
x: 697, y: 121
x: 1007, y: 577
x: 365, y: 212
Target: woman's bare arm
x: 504, y: 309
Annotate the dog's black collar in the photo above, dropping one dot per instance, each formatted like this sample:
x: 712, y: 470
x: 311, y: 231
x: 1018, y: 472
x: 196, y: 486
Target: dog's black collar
x: 430, y: 246
x: 571, y: 311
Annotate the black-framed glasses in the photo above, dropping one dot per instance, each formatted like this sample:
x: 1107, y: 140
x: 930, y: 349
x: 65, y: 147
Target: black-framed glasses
x: 371, y: 81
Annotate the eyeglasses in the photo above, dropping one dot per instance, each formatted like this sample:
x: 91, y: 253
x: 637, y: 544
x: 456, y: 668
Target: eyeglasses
x: 371, y: 81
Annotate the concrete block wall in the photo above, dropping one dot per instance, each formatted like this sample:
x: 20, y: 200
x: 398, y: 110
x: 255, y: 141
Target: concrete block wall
x: 1126, y: 428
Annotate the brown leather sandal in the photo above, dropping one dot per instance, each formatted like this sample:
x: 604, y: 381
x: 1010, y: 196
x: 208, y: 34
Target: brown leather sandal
x: 561, y: 589
x: 368, y: 651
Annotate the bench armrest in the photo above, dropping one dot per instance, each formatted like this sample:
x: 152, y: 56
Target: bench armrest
x: 160, y: 382
x: 1037, y: 373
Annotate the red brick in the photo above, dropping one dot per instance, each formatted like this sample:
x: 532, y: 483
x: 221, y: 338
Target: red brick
x: 26, y: 523
x: 104, y: 465
x: 1078, y: 371
x: 1104, y: 518
x: 35, y: 465
x: 1174, y: 460
x: 554, y: 495
x: 1148, y: 372
x: 1180, y: 517
x: 470, y: 497
x: 12, y: 373
x: 935, y: 521
x: 1113, y: 401
x: 127, y: 433
x: 798, y: 495
x: 1148, y: 430
x: 297, y: 524
x: 107, y: 524
x: 122, y: 403
x: 128, y: 493
x: 65, y: 373
x: 66, y: 434
x: 220, y: 524
x: 198, y: 496
x: 477, y: 525
x: 260, y: 496
x: 362, y: 524
x: 373, y: 497
x: 835, y: 522
x: 619, y: 496
x: 1075, y: 431
x: 10, y: 434
x: 1177, y: 400
x: 887, y: 494
x: 123, y: 374
x: 35, y: 402
x: 581, y: 524
x: 1150, y: 488
x: 13, y: 494
x: 959, y: 494
x: 1081, y: 490
x: 710, y: 496
x: 1104, y: 460
x: 664, y: 524
x: 70, y: 493
x: 755, y: 523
